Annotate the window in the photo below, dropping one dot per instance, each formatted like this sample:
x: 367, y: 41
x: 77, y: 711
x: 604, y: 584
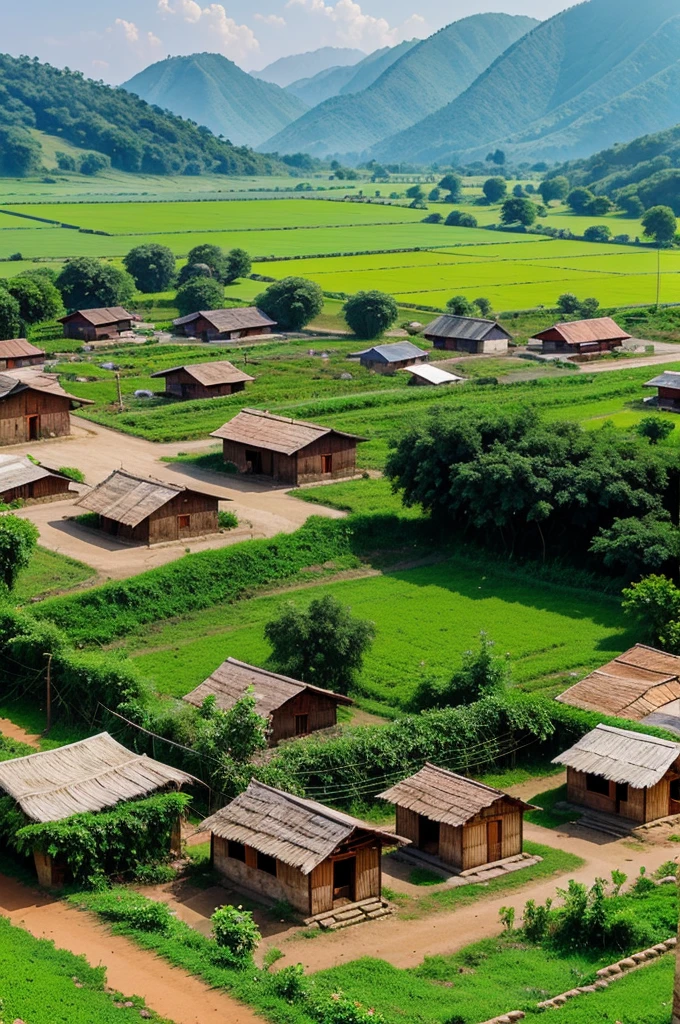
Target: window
x: 675, y: 789
x: 326, y: 463
x: 266, y: 863
x: 183, y: 522
x: 301, y: 725
x: 236, y: 851
x: 596, y: 784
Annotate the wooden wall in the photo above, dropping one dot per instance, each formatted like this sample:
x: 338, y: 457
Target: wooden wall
x: 495, y: 341
x: 182, y: 385
x: 52, y: 410
x: 321, y: 712
x: 38, y: 490
x: 642, y: 804
x: 304, y: 467
x: 79, y: 327
x: 465, y: 846
x: 163, y: 525
x: 289, y: 884
x: 201, y: 328
x: 407, y: 824
x: 17, y: 362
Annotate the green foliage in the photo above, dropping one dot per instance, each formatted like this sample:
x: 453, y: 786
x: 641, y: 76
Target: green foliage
x: 20, y: 154
x: 199, y: 293
x: 654, y: 605
x: 484, y: 306
x: 151, y: 266
x: 38, y: 299
x: 554, y: 188
x: 458, y: 305
x: 569, y: 304
x: 87, y: 283
x: 370, y: 314
x: 482, y: 674
x: 227, y: 520
x: 655, y: 428
x: 535, y: 919
x: 517, y: 210
x: 579, y: 199
x: 660, y: 223
x: 10, y: 314
x: 73, y: 473
x: 462, y: 220
x: 124, y: 905
x: 238, y: 265
x: 453, y: 184
x: 494, y: 189
x: 507, y: 918
x: 292, y: 302
x: 236, y: 935
x: 18, y: 541
x: 289, y: 983
x: 94, y: 163
x: 634, y: 546
x: 598, y: 233
x: 236, y: 734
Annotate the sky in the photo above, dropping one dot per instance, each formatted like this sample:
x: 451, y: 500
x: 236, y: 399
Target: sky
x: 114, y: 39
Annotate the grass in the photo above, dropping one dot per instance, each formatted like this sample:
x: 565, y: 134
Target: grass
x: 50, y: 573
x: 548, y: 816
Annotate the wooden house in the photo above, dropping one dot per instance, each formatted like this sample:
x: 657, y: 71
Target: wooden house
x: 623, y: 773
x: 581, y: 337
x: 22, y: 480
x: 288, y: 451
x: 225, y: 324
x: 17, y: 353
x: 283, y: 847
x: 108, y: 322
x: 667, y: 386
x: 390, y: 358
x: 431, y: 376
x: 143, y: 511
x: 33, y: 405
x: 473, y: 335
x: 203, y: 380
x: 291, y: 707
x: 462, y: 823
x: 92, y: 775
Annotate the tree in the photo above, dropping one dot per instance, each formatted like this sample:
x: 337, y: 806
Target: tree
x: 370, y: 314
x: 214, y: 257
x: 554, y: 188
x: 434, y: 195
x: 483, y: 305
x: 598, y: 233
x: 655, y: 429
x: 462, y: 220
x: 415, y: 192
x: 453, y: 185
x: 236, y: 935
x: 632, y: 206
x: 18, y: 540
x: 238, y: 264
x: 10, y: 315
x: 482, y: 674
x: 433, y: 218
x: 292, y: 302
x: 323, y: 646
x: 65, y: 162
x: 588, y: 308
x: 635, y: 546
x: 51, y: 305
x: 458, y: 305
x: 93, y: 163
x: 38, y: 299
x: 598, y: 206
x: 199, y: 293
x: 494, y: 189
x: 660, y: 224
x: 86, y: 283
x: 497, y: 157
x: 654, y: 604
x: 518, y: 191
x: 579, y: 200
x: 20, y: 153
x: 151, y: 266
x: 518, y: 210
x: 191, y: 270
x: 568, y: 303
x: 237, y: 733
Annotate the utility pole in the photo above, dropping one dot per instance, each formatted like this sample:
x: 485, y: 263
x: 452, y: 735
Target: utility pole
x: 48, y: 700
x: 120, y: 396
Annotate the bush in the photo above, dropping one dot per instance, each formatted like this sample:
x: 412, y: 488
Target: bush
x: 227, y: 520
x: 199, y: 293
x: 463, y: 220
x: 482, y: 674
x: 236, y: 934
x: 72, y: 473
x: 18, y: 540
x: 151, y: 266
x: 494, y: 189
x: 86, y: 283
x: 130, y: 908
x: 289, y: 983
x: 292, y: 302
x: 598, y: 233
x: 370, y: 314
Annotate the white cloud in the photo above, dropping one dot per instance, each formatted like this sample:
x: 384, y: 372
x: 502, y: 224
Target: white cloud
x: 271, y: 19
x: 354, y: 28
x: 130, y: 30
x: 234, y: 40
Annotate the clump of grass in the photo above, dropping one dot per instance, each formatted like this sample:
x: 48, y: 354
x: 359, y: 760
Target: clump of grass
x: 423, y: 876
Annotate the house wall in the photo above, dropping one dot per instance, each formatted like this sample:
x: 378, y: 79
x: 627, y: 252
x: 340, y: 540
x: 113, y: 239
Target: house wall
x: 407, y: 824
x: 289, y: 884
x: 163, y: 525
x: 203, y: 329
x: 557, y: 344
x: 52, y: 411
x: 465, y: 846
x: 642, y: 804
x: 322, y: 713
x: 183, y: 385
x: 16, y: 362
x: 303, y: 467
x: 37, y: 490
x: 79, y: 327
x: 389, y: 368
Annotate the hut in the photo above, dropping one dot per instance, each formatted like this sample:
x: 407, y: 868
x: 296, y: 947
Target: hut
x: 291, y: 707
x: 204, y: 380
x: 390, y: 358
x: 88, y: 776
x: 667, y: 386
x: 284, y: 847
x: 33, y: 405
x: 225, y: 324
x: 628, y: 774
x: 431, y: 376
x: 288, y: 451
x: 144, y: 511
x: 462, y: 823
x: 642, y: 684
x: 23, y: 480
x: 582, y: 337
x: 470, y: 334
x: 17, y: 353
x: 107, y: 322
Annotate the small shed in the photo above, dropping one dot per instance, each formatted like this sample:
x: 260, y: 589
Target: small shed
x: 16, y: 353
x: 628, y: 774
x: 34, y: 405
x: 23, y: 480
x: 291, y: 707
x: 289, y: 451
x: 225, y: 324
x: 204, y: 380
x: 144, y: 511
x: 91, y: 775
x: 667, y: 386
x: 390, y: 358
x: 107, y: 322
x: 284, y: 847
x: 581, y: 337
x: 431, y: 375
x: 462, y: 823
x: 470, y: 334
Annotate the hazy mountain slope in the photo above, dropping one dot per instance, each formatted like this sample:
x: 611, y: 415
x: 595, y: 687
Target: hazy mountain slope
x: 286, y: 70
x: 428, y: 75
x: 213, y: 91
x: 596, y: 73
x: 347, y: 80
x: 318, y: 88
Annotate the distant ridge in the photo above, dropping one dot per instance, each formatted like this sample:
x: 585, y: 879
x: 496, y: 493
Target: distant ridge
x: 285, y: 70
x: 342, y: 81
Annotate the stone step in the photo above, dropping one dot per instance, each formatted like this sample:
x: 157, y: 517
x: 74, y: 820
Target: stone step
x: 383, y: 912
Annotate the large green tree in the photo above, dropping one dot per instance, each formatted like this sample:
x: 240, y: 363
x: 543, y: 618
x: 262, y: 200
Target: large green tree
x: 151, y: 266
x: 554, y: 188
x: 579, y: 199
x: 517, y: 210
x: 199, y: 293
x: 86, y: 283
x: 660, y: 224
x: 38, y: 299
x: 238, y: 265
x: 494, y: 189
x: 18, y: 540
x: 369, y: 314
x: 10, y: 315
x: 292, y: 302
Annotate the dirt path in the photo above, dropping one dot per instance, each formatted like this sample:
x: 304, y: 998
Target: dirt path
x: 170, y: 991
x: 15, y: 732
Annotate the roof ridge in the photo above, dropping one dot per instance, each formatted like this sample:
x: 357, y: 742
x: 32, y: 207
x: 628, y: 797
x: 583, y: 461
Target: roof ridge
x: 646, y: 737
x: 464, y: 778
x: 67, y: 746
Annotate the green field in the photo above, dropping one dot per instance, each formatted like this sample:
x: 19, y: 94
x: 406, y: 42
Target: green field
x: 49, y: 573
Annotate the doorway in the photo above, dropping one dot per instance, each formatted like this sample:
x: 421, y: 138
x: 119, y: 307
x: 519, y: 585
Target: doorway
x: 33, y: 428
x: 344, y: 880
x: 254, y: 457
x: 326, y: 463
x: 621, y: 795
x: 301, y: 725
x: 494, y: 840
x: 428, y: 836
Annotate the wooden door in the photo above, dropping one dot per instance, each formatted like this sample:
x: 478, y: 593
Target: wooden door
x: 33, y: 428
x: 494, y: 840
x: 326, y: 463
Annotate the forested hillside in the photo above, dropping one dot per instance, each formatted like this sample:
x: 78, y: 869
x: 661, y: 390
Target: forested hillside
x: 342, y: 81
x: 129, y: 133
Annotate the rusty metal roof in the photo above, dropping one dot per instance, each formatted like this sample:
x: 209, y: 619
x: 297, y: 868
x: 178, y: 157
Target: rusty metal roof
x: 16, y: 348
x: 584, y: 332
x: 100, y: 317
x: 13, y: 382
x: 621, y: 756
x: 637, y: 683
x: 275, y: 433
x: 238, y: 318
x: 129, y: 499
x: 209, y: 373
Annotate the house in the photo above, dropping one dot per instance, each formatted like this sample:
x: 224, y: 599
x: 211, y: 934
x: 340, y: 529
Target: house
x: 225, y: 324
x: 431, y: 375
x: 203, y: 380
x: 462, y: 823
x: 470, y: 334
x: 390, y: 358
x: 284, y: 847
x: 17, y: 353
x: 88, y: 776
x: 288, y: 451
x: 642, y: 684
x: 667, y: 386
x: 23, y: 480
x: 33, y: 405
x: 291, y: 707
x: 97, y: 324
x: 628, y: 774
x: 143, y: 511
x: 580, y: 337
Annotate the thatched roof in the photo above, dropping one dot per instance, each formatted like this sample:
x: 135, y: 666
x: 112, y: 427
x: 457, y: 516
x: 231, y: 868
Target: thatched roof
x: 13, y: 382
x: 584, y: 332
x: 18, y: 348
x: 465, y: 328
x: 237, y: 319
x: 392, y: 353
x: 89, y: 775
x: 17, y: 470
x: 100, y: 317
x: 275, y: 433
x: 298, y: 832
x: 443, y: 796
x: 233, y: 679
x: 129, y: 499
x: 209, y: 374
x: 621, y: 756
x: 634, y: 685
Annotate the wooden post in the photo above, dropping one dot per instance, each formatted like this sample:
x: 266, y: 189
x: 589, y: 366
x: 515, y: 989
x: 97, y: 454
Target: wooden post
x: 120, y: 396
x: 48, y: 698
x: 676, y: 988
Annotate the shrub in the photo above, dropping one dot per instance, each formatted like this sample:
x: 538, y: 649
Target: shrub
x: 227, y: 520
x: 18, y: 540
x: 598, y: 233
x: 152, y: 267
x: 199, y: 293
x: 481, y: 674
x: 289, y: 983
x: 73, y: 474
x: 494, y: 189
x: 236, y: 934
x: 369, y: 314
x: 292, y: 302
x: 128, y: 907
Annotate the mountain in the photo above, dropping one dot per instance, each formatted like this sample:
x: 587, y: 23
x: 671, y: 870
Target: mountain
x: 113, y: 122
x: 602, y: 72
x: 341, y: 81
x: 286, y: 70
x: 428, y: 75
x: 213, y: 91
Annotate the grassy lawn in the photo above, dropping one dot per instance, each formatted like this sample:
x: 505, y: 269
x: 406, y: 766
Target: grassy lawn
x: 49, y: 573
x: 549, y: 816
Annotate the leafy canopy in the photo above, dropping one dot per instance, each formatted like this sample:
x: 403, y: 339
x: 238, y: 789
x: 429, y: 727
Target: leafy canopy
x: 151, y: 266
x: 18, y: 540
x: 87, y: 283
x: 199, y: 293
x: 370, y: 314
x: 292, y: 302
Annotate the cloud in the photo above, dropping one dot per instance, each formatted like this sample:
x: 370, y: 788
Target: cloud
x: 235, y: 40
x: 271, y: 19
x: 130, y: 30
x: 354, y: 28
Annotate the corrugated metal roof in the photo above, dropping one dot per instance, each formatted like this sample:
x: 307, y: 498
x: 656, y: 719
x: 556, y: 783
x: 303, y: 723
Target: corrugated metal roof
x: 17, y: 470
x: 634, y: 685
x: 209, y: 374
x: 621, y: 756
x: 443, y: 796
x: 15, y: 381
x: 468, y: 328
x: 395, y: 353
x: 129, y: 499
x: 432, y: 374
x: 233, y: 679
x: 667, y: 379
x: 102, y: 316
x: 297, y: 831
x: 16, y: 348
x: 239, y: 318
x: 581, y: 332
x: 275, y: 433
